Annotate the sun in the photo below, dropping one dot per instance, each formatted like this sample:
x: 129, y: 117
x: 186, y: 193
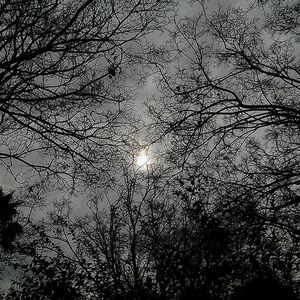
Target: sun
x: 143, y: 159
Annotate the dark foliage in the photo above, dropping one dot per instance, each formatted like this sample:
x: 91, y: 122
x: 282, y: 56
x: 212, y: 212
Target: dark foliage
x: 52, y: 278
x: 265, y: 287
x: 9, y: 229
x: 222, y: 221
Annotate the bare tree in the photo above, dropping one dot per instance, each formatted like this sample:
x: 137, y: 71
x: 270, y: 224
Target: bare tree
x: 232, y: 105
x: 62, y: 64
x: 110, y: 244
x: 230, y: 115
x: 156, y: 240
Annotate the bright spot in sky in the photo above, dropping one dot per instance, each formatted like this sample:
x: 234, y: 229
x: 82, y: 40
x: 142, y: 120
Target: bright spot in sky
x: 143, y: 159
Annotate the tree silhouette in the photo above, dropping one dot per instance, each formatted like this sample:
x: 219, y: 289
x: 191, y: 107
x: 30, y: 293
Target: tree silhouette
x: 53, y: 279
x: 219, y: 217
x: 9, y: 229
x: 265, y: 287
x: 160, y: 242
x: 57, y: 59
x: 232, y: 108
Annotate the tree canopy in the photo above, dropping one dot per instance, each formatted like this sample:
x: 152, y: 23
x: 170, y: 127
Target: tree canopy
x: 212, y: 211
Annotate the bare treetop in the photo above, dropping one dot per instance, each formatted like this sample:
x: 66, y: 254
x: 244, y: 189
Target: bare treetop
x: 61, y: 63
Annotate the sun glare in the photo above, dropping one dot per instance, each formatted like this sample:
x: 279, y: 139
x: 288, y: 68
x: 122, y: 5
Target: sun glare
x: 143, y: 159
